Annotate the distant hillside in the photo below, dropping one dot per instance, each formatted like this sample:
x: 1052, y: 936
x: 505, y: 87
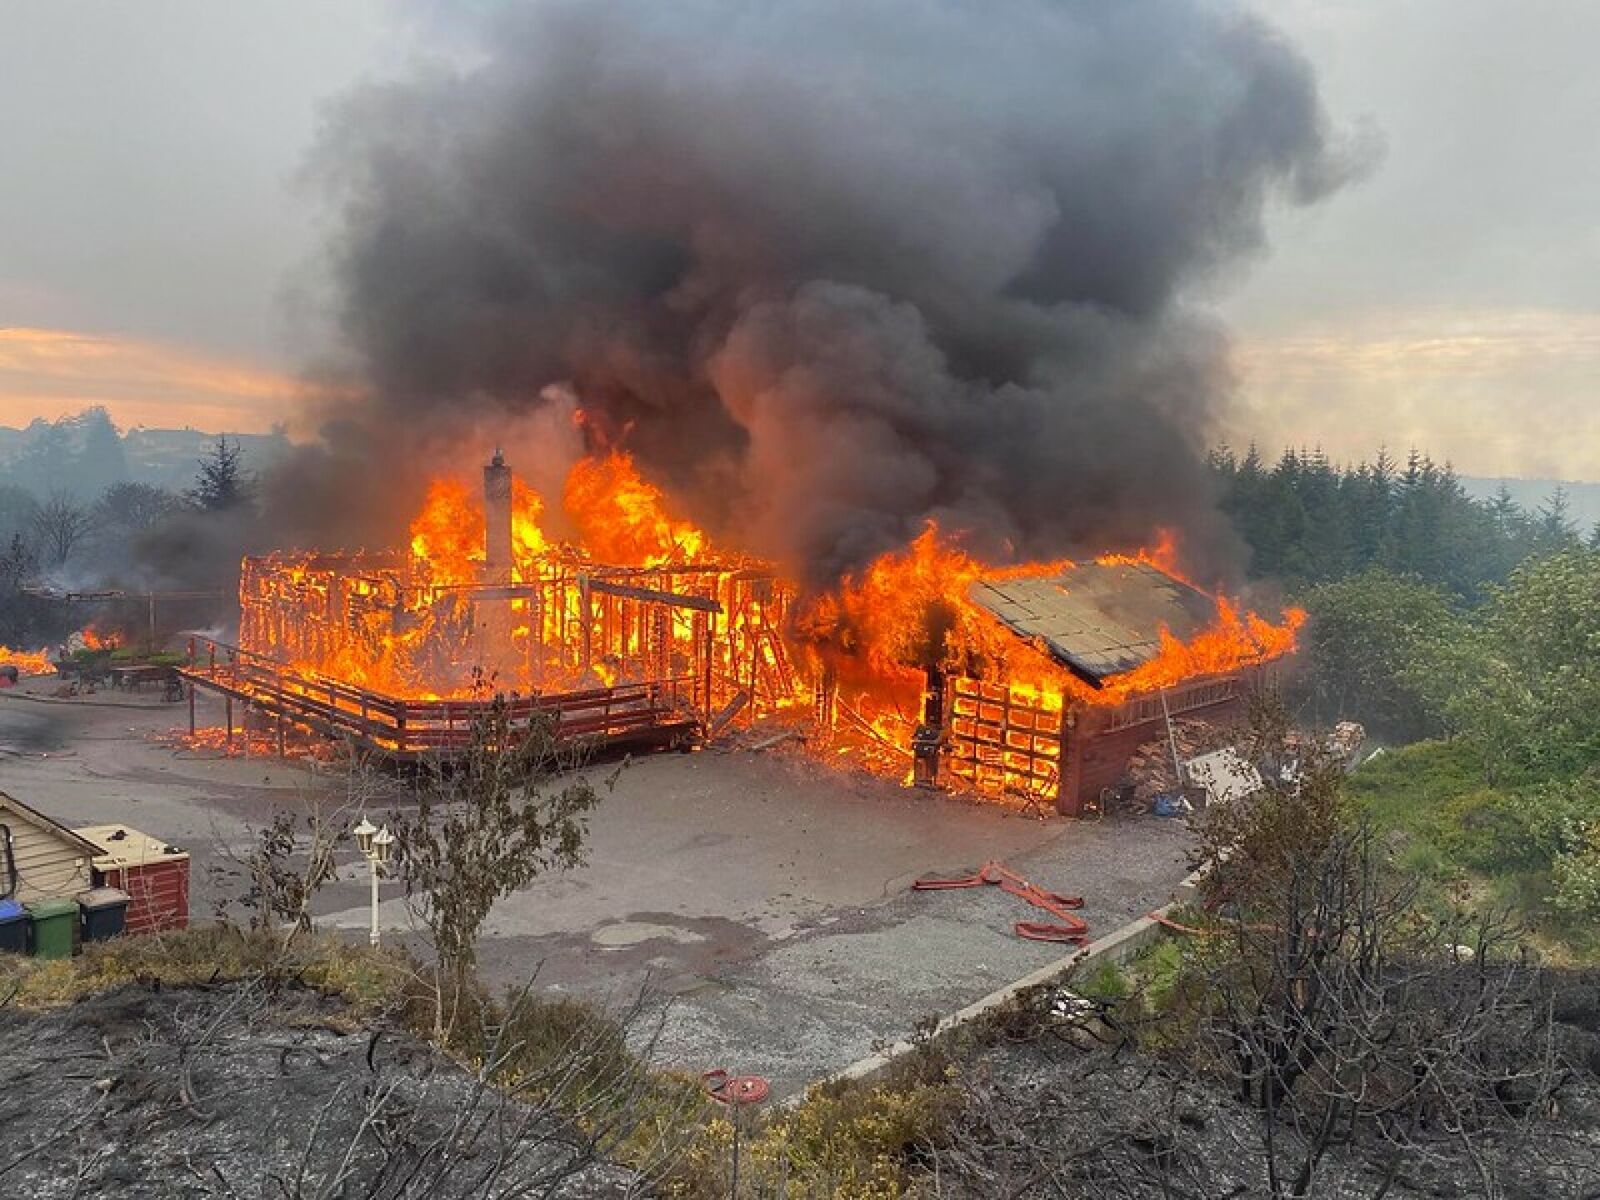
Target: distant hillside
x: 1583, y: 499
x: 167, y: 457
x: 47, y: 456
x: 84, y: 454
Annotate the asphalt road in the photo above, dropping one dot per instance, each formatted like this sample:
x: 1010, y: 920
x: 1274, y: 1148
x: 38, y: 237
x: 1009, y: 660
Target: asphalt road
x: 762, y: 899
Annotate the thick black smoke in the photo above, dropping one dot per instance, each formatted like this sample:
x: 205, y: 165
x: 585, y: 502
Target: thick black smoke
x: 829, y: 268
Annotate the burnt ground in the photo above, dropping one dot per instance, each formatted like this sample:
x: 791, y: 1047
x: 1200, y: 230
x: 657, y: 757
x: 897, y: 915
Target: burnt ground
x: 763, y: 897
x: 232, y: 1091
x: 1072, y: 1118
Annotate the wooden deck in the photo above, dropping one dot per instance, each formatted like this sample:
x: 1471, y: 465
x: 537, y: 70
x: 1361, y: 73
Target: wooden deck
x: 658, y: 713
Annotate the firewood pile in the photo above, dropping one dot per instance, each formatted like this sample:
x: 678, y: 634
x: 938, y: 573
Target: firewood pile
x: 1151, y: 771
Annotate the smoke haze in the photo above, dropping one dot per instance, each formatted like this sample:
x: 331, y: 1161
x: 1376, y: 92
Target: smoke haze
x: 828, y: 269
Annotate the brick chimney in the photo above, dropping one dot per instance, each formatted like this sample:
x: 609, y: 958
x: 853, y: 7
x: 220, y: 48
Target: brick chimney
x: 497, y: 520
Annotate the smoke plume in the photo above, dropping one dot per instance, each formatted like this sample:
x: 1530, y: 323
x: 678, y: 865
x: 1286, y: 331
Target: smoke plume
x: 829, y: 269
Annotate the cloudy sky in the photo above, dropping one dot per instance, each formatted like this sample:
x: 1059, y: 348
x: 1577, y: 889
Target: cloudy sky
x: 158, y: 255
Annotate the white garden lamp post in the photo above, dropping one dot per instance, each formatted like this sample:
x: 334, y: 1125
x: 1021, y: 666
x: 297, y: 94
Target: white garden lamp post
x: 376, y: 846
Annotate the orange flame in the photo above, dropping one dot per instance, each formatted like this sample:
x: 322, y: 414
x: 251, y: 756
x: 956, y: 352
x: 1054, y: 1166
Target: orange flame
x: 1163, y: 556
x: 527, y: 509
x: 623, y: 517
x: 861, y: 651
x: 26, y: 662
x: 1234, y: 641
x: 910, y: 609
x: 447, y: 534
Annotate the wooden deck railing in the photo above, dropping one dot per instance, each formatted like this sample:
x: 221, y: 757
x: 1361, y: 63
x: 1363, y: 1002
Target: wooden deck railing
x: 408, y: 728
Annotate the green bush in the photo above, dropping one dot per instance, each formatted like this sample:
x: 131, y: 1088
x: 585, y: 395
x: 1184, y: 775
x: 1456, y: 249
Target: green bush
x: 849, y: 1140
x: 1563, y: 823
x: 1434, y: 795
x: 1106, y: 984
x: 1160, y: 968
x: 1576, y: 879
x: 1535, y: 847
x: 128, y: 655
x: 1529, y: 690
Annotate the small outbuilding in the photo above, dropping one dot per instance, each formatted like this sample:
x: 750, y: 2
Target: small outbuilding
x: 41, y: 859
x: 155, y: 876
x: 1099, y: 621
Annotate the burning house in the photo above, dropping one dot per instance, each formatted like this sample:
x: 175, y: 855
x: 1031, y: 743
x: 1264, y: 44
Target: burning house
x: 400, y: 652
x: 1037, y: 681
x: 1105, y: 624
x: 1034, y: 681
x: 828, y: 303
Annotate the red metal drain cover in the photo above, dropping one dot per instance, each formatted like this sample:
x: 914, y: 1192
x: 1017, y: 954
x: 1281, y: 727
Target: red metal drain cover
x: 735, y: 1089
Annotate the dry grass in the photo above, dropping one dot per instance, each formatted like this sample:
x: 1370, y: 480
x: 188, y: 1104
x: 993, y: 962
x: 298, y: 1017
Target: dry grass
x: 369, y: 980
x: 858, y: 1141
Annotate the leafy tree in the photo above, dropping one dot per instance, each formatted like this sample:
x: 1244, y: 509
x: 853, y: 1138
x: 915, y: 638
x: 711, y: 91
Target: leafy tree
x: 101, y: 462
x: 1529, y: 676
x: 17, y: 611
x: 1368, y: 650
x: 17, y: 563
x: 17, y: 511
x: 222, y: 483
x: 46, y: 461
x: 484, y: 827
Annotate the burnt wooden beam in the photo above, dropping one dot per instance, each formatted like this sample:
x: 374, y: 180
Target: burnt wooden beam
x: 672, y: 599
x: 731, y: 710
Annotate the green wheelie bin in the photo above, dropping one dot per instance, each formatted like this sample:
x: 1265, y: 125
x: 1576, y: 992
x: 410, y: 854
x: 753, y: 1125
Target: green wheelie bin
x: 55, y: 927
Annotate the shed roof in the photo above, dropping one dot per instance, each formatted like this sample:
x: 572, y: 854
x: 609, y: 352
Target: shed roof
x: 51, y: 827
x: 1097, y: 619
x: 122, y: 846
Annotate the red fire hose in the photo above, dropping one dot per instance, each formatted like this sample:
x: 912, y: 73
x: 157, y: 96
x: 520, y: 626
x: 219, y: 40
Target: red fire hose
x: 1067, y: 927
